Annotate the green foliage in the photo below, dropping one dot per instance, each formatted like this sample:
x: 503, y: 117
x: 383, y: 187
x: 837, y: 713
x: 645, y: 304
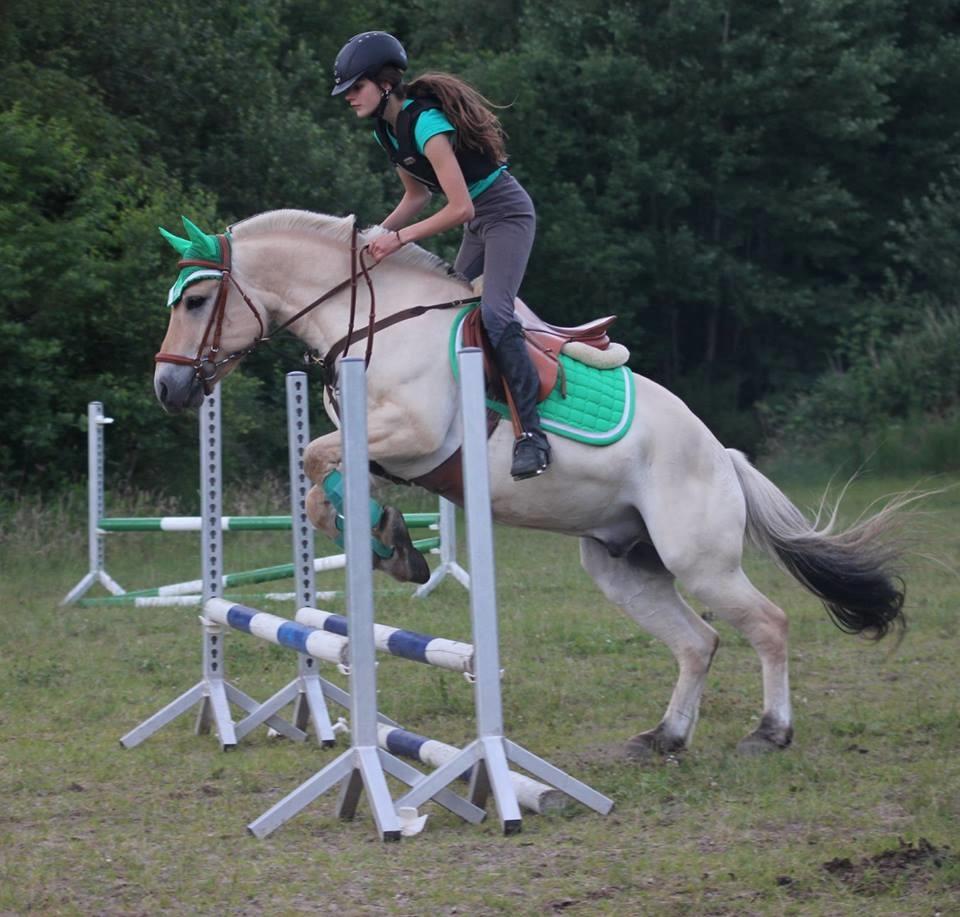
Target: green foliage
x: 892, y: 398
x: 760, y: 191
x: 925, y: 241
x: 896, y: 407
x: 77, y: 246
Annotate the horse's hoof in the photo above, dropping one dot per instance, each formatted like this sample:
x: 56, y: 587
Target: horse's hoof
x: 766, y: 738
x: 655, y: 743
x: 406, y: 564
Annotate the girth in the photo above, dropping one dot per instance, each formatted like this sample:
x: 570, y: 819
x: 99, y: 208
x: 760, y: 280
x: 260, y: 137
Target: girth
x: 446, y: 480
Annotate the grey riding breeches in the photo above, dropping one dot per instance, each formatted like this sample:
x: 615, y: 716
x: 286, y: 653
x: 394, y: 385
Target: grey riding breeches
x: 497, y: 243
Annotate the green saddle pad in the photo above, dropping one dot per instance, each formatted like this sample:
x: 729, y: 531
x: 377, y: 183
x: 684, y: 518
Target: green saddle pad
x: 597, y: 408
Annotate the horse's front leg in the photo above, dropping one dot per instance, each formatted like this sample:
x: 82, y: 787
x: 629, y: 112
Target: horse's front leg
x: 393, y: 550
x: 322, y: 458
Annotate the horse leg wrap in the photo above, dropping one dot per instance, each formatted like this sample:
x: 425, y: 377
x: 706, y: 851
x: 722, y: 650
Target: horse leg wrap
x: 333, y: 488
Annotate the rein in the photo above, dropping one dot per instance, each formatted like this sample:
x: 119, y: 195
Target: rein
x: 206, y: 363
x: 344, y: 343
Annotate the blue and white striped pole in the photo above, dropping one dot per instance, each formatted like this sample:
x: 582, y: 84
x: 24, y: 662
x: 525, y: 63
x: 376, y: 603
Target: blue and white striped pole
x: 436, y: 651
x: 319, y: 644
x: 531, y: 794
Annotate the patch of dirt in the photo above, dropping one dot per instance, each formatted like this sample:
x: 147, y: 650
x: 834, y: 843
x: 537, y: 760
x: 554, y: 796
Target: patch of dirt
x: 600, y: 754
x: 912, y: 863
x: 606, y: 892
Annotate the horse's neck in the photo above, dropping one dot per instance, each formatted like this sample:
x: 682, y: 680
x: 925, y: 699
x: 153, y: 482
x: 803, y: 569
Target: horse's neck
x: 291, y: 271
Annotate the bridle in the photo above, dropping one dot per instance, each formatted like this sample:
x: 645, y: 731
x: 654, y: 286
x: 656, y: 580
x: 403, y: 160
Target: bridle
x: 207, y: 362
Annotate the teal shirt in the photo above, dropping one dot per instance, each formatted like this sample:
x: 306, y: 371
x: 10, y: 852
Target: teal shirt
x: 430, y: 123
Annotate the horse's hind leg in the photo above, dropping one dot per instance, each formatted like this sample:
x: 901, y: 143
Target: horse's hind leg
x: 640, y: 584
x: 703, y: 549
x: 731, y: 596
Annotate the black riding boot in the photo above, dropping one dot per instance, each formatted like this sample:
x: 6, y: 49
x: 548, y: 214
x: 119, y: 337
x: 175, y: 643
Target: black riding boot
x: 531, y: 452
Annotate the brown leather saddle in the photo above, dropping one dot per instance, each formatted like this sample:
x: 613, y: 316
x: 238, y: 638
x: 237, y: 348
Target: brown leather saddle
x: 544, y: 343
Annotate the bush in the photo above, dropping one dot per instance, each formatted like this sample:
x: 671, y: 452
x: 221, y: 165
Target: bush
x: 897, y: 407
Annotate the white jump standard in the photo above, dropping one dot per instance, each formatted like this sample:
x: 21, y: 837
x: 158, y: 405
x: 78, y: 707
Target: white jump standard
x: 448, y: 553
x: 96, y: 572
x: 100, y: 526
x: 490, y: 752
x: 364, y: 765
x: 213, y: 693
x: 308, y: 690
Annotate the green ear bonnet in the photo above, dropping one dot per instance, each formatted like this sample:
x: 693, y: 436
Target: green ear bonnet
x: 200, y: 246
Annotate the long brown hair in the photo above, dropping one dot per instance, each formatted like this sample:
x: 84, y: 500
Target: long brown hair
x: 469, y: 112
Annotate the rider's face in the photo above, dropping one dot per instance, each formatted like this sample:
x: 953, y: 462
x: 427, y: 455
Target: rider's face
x: 363, y: 97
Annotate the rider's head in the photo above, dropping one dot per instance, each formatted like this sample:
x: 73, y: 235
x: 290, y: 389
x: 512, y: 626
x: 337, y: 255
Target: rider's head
x: 374, y: 56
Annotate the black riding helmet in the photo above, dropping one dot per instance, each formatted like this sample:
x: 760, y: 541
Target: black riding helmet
x: 365, y: 55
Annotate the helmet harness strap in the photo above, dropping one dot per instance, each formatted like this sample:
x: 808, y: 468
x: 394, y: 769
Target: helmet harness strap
x: 385, y: 95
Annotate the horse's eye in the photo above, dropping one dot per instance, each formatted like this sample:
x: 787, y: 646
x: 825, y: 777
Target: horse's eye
x: 194, y: 302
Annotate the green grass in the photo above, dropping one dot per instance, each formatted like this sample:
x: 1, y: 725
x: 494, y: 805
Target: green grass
x: 87, y: 827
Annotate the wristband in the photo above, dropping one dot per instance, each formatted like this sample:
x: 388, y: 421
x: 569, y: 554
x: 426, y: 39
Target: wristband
x: 396, y: 232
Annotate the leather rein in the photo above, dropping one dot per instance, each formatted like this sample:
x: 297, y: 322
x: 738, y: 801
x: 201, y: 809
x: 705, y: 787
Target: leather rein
x: 208, y: 361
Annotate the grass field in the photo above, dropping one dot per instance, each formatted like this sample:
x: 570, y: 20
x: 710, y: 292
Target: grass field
x: 860, y: 816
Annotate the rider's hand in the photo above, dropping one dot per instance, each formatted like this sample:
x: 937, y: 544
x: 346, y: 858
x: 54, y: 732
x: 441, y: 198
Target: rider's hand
x: 384, y: 245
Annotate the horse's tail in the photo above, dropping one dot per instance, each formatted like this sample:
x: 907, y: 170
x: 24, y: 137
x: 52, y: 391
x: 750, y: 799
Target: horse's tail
x: 849, y: 571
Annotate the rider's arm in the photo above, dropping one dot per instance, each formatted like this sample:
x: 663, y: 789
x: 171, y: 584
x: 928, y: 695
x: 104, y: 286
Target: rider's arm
x: 459, y: 208
x: 415, y: 197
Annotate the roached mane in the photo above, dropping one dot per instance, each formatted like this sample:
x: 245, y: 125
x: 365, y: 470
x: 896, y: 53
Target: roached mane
x: 338, y: 229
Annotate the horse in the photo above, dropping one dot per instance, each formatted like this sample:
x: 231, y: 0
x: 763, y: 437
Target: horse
x: 665, y: 505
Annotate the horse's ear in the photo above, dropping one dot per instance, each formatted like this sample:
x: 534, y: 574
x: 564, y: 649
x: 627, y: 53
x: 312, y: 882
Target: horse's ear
x: 195, y: 232
x: 202, y: 240
x: 178, y: 244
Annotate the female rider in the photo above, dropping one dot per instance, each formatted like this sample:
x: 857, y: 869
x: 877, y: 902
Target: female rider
x: 440, y: 135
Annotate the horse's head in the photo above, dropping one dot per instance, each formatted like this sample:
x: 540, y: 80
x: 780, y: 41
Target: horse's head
x: 213, y: 324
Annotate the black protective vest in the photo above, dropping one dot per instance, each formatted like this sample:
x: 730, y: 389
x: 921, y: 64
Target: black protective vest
x: 474, y: 165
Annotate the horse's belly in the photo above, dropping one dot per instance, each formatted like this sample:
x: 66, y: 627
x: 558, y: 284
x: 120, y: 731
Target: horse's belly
x: 586, y: 488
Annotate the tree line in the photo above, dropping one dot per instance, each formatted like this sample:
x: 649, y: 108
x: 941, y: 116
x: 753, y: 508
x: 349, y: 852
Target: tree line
x: 764, y: 191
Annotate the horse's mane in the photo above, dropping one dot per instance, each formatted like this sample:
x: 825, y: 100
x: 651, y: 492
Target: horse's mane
x: 339, y: 229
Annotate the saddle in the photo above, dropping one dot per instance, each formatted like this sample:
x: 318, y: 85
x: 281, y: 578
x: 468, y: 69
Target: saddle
x: 544, y: 344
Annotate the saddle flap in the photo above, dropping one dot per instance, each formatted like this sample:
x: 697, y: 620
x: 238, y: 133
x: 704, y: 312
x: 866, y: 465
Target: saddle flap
x: 543, y: 349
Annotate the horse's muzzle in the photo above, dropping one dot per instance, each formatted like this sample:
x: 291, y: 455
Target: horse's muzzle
x: 177, y: 387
